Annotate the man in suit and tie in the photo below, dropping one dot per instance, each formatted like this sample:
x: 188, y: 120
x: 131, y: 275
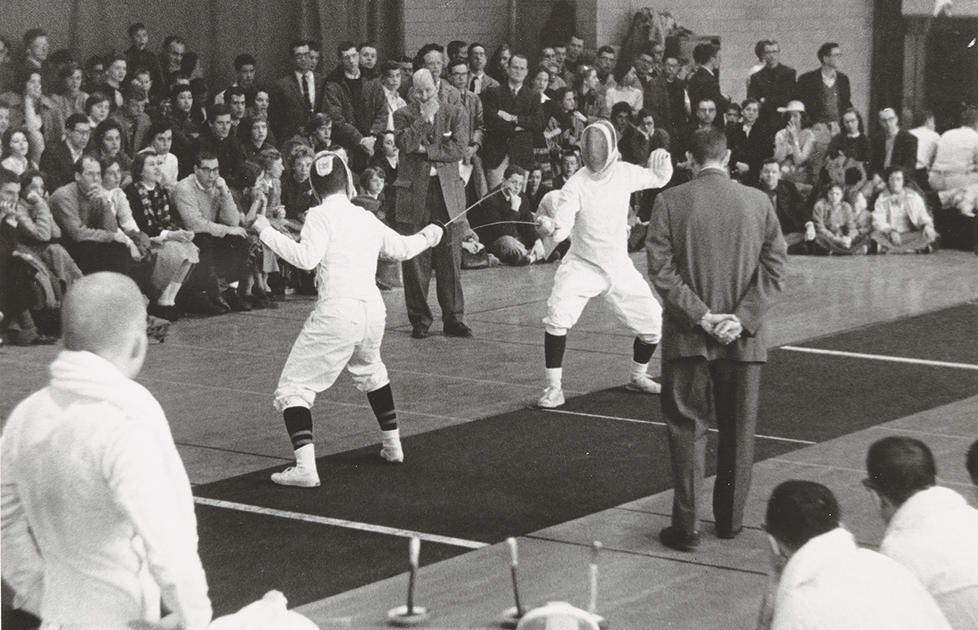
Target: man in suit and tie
x: 58, y: 161
x: 513, y: 114
x: 458, y: 75
x: 716, y: 257
x: 892, y: 146
x: 772, y: 86
x: 431, y: 137
x: 296, y: 96
x: 704, y: 83
x: 479, y: 81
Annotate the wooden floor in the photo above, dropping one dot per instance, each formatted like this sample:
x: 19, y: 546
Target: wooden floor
x: 214, y: 377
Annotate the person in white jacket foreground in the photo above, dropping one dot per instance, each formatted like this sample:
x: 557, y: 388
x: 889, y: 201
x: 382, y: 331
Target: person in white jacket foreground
x: 592, y: 209
x: 345, y: 329
x: 98, y: 524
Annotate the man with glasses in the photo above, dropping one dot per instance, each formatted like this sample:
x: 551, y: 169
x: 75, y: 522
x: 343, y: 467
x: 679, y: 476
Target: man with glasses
x: 825, y: 92
x: 296, y: 96
x: 458, y: 76
x: 58, y: 160
x: 930, y: 529
x: 772, y: 86
x: 892, y: 146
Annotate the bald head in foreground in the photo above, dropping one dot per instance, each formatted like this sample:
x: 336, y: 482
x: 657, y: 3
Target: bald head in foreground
x: 89, y: 466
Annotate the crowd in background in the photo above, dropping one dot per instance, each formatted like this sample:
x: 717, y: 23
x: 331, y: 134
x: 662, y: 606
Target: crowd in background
x: 134, y: 162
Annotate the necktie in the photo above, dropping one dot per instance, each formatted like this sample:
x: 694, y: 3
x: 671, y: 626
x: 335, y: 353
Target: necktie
x: 307, y: 91
x: 474, y: 85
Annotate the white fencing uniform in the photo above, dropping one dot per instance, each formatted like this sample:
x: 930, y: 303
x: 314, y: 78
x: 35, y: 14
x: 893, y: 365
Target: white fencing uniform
x: 346, y: 326
x: 593, y: 212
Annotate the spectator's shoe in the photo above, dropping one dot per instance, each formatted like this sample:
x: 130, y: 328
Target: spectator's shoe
x: 552, y: 397
x: 235, y: 302
x: 419, y: 332
x: 43, y: 340
x: 679, y: 540
x: 457, y: 329
x: 392, y: 453
x: 298, y: 476
x: 171, y: 313
x: 727, y: 533
x: 643, y: 383
x: 216, y: 305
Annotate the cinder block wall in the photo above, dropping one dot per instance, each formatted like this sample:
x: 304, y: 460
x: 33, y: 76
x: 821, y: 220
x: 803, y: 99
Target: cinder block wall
x: 441, y: 21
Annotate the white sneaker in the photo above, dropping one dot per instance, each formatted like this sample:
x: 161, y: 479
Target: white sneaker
x: 643, y: 383
x: 392, y: 453
x: 552, y: 397
x: 300, y: 476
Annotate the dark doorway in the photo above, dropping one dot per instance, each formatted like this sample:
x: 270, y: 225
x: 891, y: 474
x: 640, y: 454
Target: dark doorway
x: 951, y: 71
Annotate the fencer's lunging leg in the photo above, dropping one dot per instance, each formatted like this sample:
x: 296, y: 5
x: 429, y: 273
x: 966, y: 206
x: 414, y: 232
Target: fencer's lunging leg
x: 382, y: 403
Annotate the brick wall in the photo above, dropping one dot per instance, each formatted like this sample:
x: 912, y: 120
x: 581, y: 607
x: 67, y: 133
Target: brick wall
x: 799, y: 26
x: 441, y: 21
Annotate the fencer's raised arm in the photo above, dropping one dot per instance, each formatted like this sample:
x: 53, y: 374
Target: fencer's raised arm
x: 305, y: 253
x: 400, y: 247
x: 656, y: 173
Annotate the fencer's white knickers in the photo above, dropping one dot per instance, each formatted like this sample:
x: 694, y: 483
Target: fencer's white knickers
x: 621, y: 286
x: 340, y: 332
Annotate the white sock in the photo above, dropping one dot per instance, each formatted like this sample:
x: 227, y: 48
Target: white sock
x: 169, y: 295
x: 639, y: 369
x: 554, y: 376
x: 305, y: 456
x: 391, y: 438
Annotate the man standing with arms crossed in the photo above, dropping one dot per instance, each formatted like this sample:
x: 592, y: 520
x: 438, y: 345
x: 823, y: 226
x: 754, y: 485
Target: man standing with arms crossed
x: 716, y: 257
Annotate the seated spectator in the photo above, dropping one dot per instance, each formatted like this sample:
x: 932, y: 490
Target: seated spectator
x: 821, y: 579
x: 835, y: 224
x: 956, y: 161
x: 106, y: 143
x: 570, y: 163
x: 628, y: 90
x: 237, y: 102
x: 733, y: 114
x: 58, y: 160
x: 929, y: 529
x: 570, y: 121
x: 705, y: 114
x: 927, y: 138
x: 171, y: 252
x: 89, y: 229
x: 492, y: 220
x: 132, y: 118
x: 372, y: 199
x: 640, y: 140
x: 317, y: 135
x: 199, y: 112
x: 4, y: 117
x: 263, y: 197
x: 794, y: 145
x: 892, y: 146
x: 39, y: 234
x: 16, y: 154
x: 901, y: 223
x: 139, y: 57
x: 216, y: 138
x: 185, y: 129
x: 749, y: 144
x: 852, y: 140
x: 855, y: 184
x: 115, y: 73
x: 244, y: 78
x: 253, y: 139
x: 535, y: 187
x: 94, y: 70
x: 160, y: 137
x: 98, y: 106
x: 792, y: 211
x: 621, y: 118
x: 206, y: 208
x: 386, y: 159
x: 70, y: 98
x: 90, y: 467
x: 31, y: 110
x: 137, y: 242
x: 297, y: 197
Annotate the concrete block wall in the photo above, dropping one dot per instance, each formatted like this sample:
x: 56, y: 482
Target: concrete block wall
x: 441, y: 21
x: 799, y: 26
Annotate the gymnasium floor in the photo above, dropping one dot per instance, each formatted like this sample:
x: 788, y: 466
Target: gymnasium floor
x: 481, y: 465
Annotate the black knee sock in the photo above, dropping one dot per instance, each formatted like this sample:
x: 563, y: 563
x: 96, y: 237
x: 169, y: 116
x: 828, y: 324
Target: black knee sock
x: 298, y: 422
x: 642, y: 352
x: 382, y: 402
x: 553, y: 349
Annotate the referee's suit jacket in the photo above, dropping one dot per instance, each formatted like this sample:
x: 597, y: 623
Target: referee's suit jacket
x: 713, y: 245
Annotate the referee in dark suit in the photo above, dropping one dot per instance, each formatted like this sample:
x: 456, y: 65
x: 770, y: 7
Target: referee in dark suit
x: 716, y: 257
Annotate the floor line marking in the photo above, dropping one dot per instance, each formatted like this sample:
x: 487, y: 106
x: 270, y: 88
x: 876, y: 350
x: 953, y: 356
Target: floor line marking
x: 940, y: 480
x: 662, y: 424
x: 882, y: 357
x: 339, y: 522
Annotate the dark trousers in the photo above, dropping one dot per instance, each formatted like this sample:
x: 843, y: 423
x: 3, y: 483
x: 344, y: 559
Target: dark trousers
x: 697, y: 393
x: 446, y: 261
x: 223, y: 260
x: 93, y: 256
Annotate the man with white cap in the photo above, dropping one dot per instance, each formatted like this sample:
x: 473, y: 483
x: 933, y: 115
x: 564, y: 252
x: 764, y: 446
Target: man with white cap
x: 342, y: 242
x: 592, y: 209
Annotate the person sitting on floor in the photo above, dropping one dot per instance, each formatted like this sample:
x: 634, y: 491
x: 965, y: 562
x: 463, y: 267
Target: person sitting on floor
x: 793, y: 215
x: 901, y: 223
x: 493, y: 220
x: 835, y: 224
x: 929, y: 529
x: 821, y: 579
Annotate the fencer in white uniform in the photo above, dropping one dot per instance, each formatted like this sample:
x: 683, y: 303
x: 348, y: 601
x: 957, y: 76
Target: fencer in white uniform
x: 592, y: 209
x: 343, y: 242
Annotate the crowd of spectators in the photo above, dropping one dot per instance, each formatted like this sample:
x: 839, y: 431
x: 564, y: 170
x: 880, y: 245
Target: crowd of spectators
x: 133, y: 162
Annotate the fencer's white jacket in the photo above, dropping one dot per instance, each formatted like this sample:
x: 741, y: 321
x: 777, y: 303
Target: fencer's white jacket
x: 344, y: 241
x: 593, y: 209
x: 97, y: 512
